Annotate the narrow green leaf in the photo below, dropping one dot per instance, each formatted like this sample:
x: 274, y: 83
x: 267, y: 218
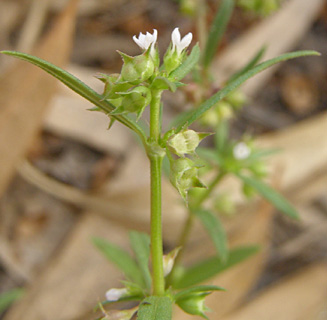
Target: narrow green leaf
x: 217, y: 30
x: 257, y: 57
x: 206, y: 269
x: 262, y: 153
x: 155, y: 308
x: 271, y: 195
x: 197, y: 289
x: 7, y: 298
x: 140, y: 243
x: 79, y: 87
x: 215, y: 230
x: 197, y: 113
x: 121, y: 259
x: 187, y: 66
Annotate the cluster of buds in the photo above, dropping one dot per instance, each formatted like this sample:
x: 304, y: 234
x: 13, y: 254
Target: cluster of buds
x: 261, y: 7
x: 224, y: 109
x: 131, y: 90
x: 184, y: 171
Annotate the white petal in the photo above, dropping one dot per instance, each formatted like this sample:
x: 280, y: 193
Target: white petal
x: 138, y: 42
x: 175, y: 38
x: 115, y: 294
x: 186, y: 41
x: 154, y: 36
x: 144, y: 41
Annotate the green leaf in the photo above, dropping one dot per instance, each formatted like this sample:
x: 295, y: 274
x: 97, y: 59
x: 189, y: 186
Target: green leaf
x: 140, y: 243
x: 271, y: 195
x: 79, y: 87
x: 258, y: 56
x: 187, y: 66
x: 206, y: 269
x: 197, y: 113
x: 155, y: 308
x: 197, y: 289
x: 121, y: 259
x: 7, y: 298
x: 217, y: 30
x: 215, y: 230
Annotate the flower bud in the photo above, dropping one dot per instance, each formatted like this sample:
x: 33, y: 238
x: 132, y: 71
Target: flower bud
x: 115, y: 294
x: 259, y: 169
x: 220, y: 112
x: 248, y: 191
x: 185, y: 142
x: 236, y: 98
x: 223, y: 204
x: 169, y: 260
x: 184, y: 176
x: 137, y: 69
x: 134, y: 100
x: 176, y: 52
x: 194, y: 304
x: 188, y: 7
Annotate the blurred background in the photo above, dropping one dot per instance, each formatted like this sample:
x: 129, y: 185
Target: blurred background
x: 64, y: 178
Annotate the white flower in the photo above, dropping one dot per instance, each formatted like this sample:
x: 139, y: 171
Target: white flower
x: 144, y: 41
x: 115, y: 294
x: 241, y: 151
x: 178, y: 43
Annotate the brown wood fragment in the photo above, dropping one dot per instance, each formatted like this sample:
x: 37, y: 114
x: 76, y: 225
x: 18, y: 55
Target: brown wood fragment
x: 302, y: 296
x: 77, y: 278
x: 279, y: 32
x: 25, y: 93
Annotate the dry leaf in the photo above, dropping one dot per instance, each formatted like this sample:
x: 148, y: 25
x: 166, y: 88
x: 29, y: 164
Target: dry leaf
x: 25, y: 92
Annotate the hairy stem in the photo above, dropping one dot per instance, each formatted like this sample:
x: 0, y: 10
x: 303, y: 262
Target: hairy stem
x: 155, y: 155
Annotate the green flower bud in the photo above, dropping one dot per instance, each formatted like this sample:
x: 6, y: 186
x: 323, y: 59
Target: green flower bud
x: 224, y: 110
x: 248, y: 191
x: 172, y: 60
x: 236, y: 98
x: 184, y: 176
x: 169, y: 260
x: 259, y: 169
x: 220, y: 112
x: 223, y: 204
x: 112, y: 89
x: 188, y: 7
x: 194, y: 304
x: 134, y: 100
x: 137, y: 69
x: 262, y: 7
x: 185, y: 142
x: 210, y: 118
x: 176, y: 52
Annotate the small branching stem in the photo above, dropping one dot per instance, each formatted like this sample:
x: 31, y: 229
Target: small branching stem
x: 189, y: 221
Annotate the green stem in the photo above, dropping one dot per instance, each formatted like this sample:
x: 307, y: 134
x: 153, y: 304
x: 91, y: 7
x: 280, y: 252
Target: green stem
x: 189, y: 222
x: 155, y: 124
x: 155, y: 155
